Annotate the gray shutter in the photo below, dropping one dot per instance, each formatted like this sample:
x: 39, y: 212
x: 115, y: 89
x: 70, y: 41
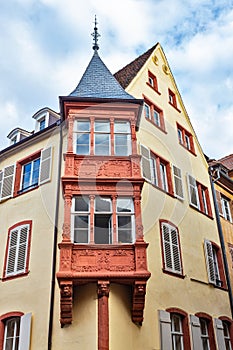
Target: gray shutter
x: 218, y: 197
x: 175, y: 250
x: 7, y: 182
x: 11, y: 254
x: 45, y: 165
x: 219, y: 334
x: 178, y: 182
x: 196, y: 332
x: 25, y: 332
x: 165, y: 330
x: 145, y: 162
x: 210, y: 261
x: 193, y: 194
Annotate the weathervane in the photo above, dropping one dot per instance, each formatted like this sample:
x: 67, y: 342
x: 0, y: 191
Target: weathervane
x: 95, y: 37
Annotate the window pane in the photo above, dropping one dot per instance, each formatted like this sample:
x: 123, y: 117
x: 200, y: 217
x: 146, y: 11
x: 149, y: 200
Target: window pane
x: 122, y: 127
x: 147, y: 111
x: 122, y: 145
x: 103, y: 204
x: 82, y: 144
x: 26, y: 175
x: 124, y: 205
x: 156, y: 118
x: 81, y: 222
x: 36, y: 170
x: 102, y: 127
x: 81, y: 204
x: 102, y: 143
x: 82, y: 125
x: 125, y: 229
x: 103, y: 229
x: 163, y: 173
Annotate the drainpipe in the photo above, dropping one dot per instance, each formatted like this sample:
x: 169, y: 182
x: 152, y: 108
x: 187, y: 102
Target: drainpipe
x: 220, y: 232
x: 55, y: 232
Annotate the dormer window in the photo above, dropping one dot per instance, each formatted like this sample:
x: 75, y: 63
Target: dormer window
x: 44, y: 118
x: 17, y: 135
x: 42, y: 123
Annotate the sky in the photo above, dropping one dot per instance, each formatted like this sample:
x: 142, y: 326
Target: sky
x: 46, y: 45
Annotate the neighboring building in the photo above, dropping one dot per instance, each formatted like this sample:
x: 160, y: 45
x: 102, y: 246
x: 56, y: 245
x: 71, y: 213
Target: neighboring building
x: 113, y: 195
x: 222, y: 175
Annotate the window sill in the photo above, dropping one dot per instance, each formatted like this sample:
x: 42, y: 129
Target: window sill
x: 201, y: 212
x: 7, y: 278
x: 177, y: 109
x: 21, y: 192
x: 157, y: 126
x: 187, y: 149
x: 159, y: 93
x: 162, y: 190
x: 174, y: 274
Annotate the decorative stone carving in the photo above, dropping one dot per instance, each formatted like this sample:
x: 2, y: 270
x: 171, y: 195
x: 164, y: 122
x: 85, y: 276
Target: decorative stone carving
x: 103, y: 289
x: 66, y: 296
x: 139, y: 292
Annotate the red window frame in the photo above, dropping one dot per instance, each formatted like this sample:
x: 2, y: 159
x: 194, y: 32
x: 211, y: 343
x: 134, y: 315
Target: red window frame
x: 210, y: 328
x: 172, y: 100
x: 183, y: 134
x: 153, y: 108
x: 153, y: 82
x: 229, y: 322
x: 185, y: 325
x: 204, y: 199
x: 26, y: 222
x: 3, y: 319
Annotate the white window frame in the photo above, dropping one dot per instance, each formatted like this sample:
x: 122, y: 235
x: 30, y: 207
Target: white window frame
x: 31, y: 185
x: 226, y: 210
x: 130, y: 214
x: 127, y: 133
x: 76, y: 132
x: 75, y: 213
x: 178, y: 183
x: 193, y: 190
x: 204, y: 336
x: 174, y: 333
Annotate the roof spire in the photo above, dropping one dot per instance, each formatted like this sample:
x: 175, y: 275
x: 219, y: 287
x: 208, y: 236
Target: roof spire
x: 95, y: 35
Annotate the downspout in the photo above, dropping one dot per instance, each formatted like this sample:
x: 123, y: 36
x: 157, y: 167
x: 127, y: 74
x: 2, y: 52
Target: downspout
x: 221, y: 237
x: 55, y: 232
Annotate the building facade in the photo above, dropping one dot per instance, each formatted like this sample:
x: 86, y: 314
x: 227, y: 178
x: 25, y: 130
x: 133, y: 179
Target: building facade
x: 109, y: 237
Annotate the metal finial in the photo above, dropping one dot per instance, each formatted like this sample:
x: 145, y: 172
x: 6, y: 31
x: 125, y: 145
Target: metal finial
x: 95, y: 35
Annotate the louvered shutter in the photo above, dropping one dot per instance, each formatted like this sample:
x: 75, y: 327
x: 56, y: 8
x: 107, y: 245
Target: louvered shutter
x: 196, y: 332
x: 171, y: 248
x: 17, y: 250
x: 1, y: 177
x: 219, y: 334
x: 25, y: 332
x: 7, y: 182
x: 219, y: 202
x: 209, y: 256
x: 45, y: 165
x: 165, y: 330
x: 178, y: 182
x: 146, y: 163
x: 193, y: 194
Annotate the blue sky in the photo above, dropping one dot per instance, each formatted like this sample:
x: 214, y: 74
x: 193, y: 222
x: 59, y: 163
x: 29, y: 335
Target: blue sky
x: 47, y: 44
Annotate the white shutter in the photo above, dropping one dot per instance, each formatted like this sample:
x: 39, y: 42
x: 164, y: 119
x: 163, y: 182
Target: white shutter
x: 209, y: 256
x: 17, y: 250
x: 1, y: 177
x: 145, y: 162
x: 178, y: 182
x: 219, y: 334
x: 7, y: 182
x: 171, y: 248
x: 193, y: 194
x: 25, y: 332
x: 196, y: 332
x: 165, y: 330
x: 45, y: 165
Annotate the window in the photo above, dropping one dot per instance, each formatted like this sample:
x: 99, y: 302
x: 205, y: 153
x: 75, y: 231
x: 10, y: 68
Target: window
x: 17, y: 252
x: 226, y: 208
x: 177, y: 332
x: 172, y: 99
x: 178, y: 184
x: 154, y: 114
x: 171, y: 248
x: 199, y: 196
x: 185, y: 138
x: 156, y: 170
x: 214, y: 264
x: 202, y: 331
x: 15, y: 329
x: 106, y: 140
x: 100, y: 213
x: 204, y: 334
x: 42, y: 123
x: 152, y: 81
x: 226, y: 333
x: 30, y: 174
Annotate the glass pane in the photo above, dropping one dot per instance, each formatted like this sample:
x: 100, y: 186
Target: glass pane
x: 9, y: 344
x: 177, y: 339
x: 122, y: 127
x: 156, y: 118
x: 82, y: 144
x: 121, y: 145
x: 176, y: 322
x: 102, y: 144
x: 124, y: 222
x: 80, y: 236
x: 103, y: 204
x: 103, y: 228
x: 81, y: 221
x: 81, y: 204
x: 82, y: 125
x: 124, y: 205
x: 102, y: 126
x: 26, y: 175
x: 36, y: 169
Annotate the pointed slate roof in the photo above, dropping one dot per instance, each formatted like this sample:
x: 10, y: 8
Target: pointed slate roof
x: 127, y: 73
x: 98, y: 82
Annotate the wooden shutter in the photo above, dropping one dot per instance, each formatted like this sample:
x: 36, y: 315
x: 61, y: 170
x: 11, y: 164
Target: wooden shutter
x: 25, y: 332
x: 165, y: 330
x: 1, y: 177
x: 145, y: 162
x: 45, y: 165
x: 219, y: 202
x: 7, y: 182
x: 219, y: 334
x: 171, y: 249
x: 17, y: 250
x: 209, y: 256
x: 193, y: 194
x: 178, y: 182
x: 196, y: 332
